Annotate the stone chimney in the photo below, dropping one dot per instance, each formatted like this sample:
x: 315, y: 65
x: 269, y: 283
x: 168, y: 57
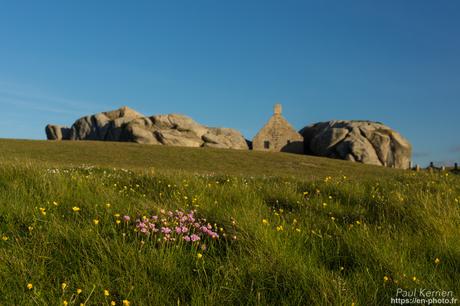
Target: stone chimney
x: 277, y: 109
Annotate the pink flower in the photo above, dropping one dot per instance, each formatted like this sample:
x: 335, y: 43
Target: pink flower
x: 187, y: 238
x: 178, y: 230
x: 195, y: 237
x: 126, y: 218
x: 165, y: 230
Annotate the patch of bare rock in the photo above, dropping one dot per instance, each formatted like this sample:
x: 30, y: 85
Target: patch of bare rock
x: 125, y: 124
x: 361, y: 141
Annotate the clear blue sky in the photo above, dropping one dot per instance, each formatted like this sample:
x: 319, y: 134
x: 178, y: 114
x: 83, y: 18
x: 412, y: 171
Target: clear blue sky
x: 225, y: 63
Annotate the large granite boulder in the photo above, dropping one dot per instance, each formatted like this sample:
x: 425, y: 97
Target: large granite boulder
x: 57, y: 132
x: 361, y: 141
x: 224, y: 137
x: 125, y: 124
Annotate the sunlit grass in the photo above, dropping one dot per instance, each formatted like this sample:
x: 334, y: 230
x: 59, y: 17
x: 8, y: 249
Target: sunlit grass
x: 67, y: 238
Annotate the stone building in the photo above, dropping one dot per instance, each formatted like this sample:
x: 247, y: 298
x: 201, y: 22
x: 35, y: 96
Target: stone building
x: 278, y: 135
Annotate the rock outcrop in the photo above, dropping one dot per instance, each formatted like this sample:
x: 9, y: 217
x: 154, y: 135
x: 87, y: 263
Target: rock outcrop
x: 361, y: 141
x: 57, y: 132
x: 125, y: 124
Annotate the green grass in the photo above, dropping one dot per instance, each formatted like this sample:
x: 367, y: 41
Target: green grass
x: 190, y: 160
x: 298, y: 230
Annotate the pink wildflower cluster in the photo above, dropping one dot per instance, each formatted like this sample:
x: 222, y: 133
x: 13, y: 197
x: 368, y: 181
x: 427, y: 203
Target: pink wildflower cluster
x: 171, y: 226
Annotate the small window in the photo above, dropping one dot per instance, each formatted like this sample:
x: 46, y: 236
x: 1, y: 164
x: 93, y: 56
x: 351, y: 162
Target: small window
x: 266, y: 144
x: 288, y: 142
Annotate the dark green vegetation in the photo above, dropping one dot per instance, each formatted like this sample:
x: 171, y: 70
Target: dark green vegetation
x: 298, y: 230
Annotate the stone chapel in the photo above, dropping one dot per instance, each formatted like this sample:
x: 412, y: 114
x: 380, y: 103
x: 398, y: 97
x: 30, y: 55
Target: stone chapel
x: 278, y: 135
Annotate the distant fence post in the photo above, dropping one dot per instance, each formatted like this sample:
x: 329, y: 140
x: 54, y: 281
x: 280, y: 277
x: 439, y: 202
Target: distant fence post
x: 431, y: 165
x: 410, y: 164
x: 456, y: 166
x: 417, y: 167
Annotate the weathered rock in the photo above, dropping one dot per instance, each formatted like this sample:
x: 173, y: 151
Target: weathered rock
x: 102, y: 125
x: 141, y: 135
x: 57, y: 132
x: 172, y: 137
x: 224, y: 138
x: 361, y: 141
x: 92, y: 127
x: 123, y: 112
x: 125, y: 124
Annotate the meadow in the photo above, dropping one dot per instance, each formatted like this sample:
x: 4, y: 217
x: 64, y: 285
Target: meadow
x: 125, y: 224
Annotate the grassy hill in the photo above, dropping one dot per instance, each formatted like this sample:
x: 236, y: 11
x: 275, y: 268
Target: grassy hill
x: 192, y: 160
x: 279, y: 229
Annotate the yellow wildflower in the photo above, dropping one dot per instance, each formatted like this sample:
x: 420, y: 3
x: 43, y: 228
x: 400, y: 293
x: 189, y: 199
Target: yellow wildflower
x: 125, y: 302
x: 437, y: 261
x: 107, y: 205
x: 386, y: 278
x: 117, y: 221
x: 30, y: 286
x: 96, y: 221
x: 106, y: 292
x: 63, y: 286
x: 279, y: 228
x: 76, y: 209
x: 5, y: 238
x: 199, y: 255
x: 117, y: 215
x: 414, y: 278
x: 79, y: 291
x: 113, y: 303
x: 65, y: 303
x: 265, y: 221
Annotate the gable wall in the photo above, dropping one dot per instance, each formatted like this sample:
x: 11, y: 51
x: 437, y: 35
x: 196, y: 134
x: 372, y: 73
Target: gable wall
x: 278, y: 132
